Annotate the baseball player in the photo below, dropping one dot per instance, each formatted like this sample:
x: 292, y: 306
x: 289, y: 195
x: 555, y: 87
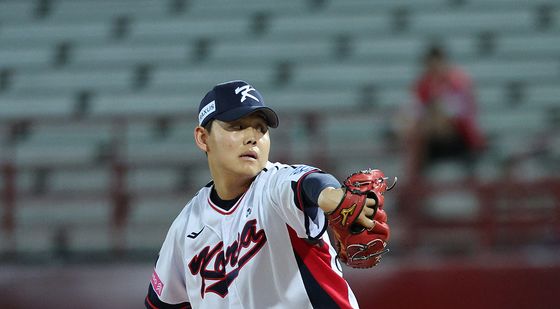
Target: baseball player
x: 254, y: 237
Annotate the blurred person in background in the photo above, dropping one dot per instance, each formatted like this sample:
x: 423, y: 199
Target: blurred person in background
x: 442, y: 123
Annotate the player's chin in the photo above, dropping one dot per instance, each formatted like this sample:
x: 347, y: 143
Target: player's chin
x: 251, y: 167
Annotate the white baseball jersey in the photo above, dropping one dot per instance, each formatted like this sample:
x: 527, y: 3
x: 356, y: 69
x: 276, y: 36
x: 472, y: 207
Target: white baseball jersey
x: 264, y: 252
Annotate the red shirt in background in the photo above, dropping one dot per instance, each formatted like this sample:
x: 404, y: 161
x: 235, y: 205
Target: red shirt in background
x: 453, y: 92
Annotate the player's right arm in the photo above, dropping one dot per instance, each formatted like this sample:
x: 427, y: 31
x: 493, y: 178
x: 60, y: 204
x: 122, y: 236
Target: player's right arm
x: 167, y: 284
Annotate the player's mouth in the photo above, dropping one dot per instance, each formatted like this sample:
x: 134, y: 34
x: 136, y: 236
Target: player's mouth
x: 251, y: 155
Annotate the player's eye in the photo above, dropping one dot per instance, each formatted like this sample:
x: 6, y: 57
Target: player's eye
x: 236, y: 127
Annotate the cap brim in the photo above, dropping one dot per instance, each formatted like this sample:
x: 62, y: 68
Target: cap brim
x: 234, y: 114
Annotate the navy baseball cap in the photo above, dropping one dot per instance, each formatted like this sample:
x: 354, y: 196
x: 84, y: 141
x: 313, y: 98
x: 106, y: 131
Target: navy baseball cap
x: 232, y: 100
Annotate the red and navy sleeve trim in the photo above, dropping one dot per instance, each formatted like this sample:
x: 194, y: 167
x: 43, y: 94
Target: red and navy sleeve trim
x: 152, y: 301
x: 311, y: 211
x: 297, y: 187
x: 306, y: 193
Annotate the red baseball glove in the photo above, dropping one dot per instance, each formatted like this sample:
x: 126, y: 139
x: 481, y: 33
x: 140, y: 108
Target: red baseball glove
x: 356, y: 246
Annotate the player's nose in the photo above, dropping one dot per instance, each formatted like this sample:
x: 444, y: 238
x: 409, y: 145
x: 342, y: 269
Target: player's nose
x: 251, y: 136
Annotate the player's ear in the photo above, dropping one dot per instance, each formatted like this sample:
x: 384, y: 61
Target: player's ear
x: 201, y: 137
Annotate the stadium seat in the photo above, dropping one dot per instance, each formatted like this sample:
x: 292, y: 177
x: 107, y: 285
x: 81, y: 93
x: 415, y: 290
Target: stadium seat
x: 486, y: 71
x: 16, y: 12
x: 125, y: 55
x: 31, y: 35
x: 38, y: 220
x: 381, y: 6
x: 91, y: 180
x: 542, y: 95
x: 18, y: 105
x: 354, y: 74
x: 264, y: 52
x: 139, y: 103
x: 71, y: 80
x: 328, y: 25
x: 45, y: 153
x: 538, y: 45
x: 202, y: 79
x: 460, y: 205
x: 227, y: 9
x: 26, y: 58
x: 91, y: 11
x: 184, y: 29
x: 510, y: 20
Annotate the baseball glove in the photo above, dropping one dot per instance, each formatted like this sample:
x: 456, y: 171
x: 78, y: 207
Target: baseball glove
x: 356, y: 246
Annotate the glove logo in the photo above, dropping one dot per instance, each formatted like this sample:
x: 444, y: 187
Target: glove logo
x: 361, y: 253
x: 347, y: 212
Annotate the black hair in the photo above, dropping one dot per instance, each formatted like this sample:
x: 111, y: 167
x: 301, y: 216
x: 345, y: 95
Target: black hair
x: 208, y: 125
x: 435, y: 52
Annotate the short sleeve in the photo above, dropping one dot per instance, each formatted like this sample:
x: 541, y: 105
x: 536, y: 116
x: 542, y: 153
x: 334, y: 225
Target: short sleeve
x: 285, y: 187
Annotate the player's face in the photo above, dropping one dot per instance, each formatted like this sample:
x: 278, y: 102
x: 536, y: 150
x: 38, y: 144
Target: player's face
x: 239, y: 148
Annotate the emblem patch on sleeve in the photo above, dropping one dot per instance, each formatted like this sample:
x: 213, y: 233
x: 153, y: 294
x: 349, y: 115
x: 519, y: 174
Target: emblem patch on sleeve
x: 156, y: 283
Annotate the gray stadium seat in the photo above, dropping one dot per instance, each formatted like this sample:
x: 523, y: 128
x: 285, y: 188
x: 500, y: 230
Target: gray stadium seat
x: 201, y: 79
x: 496, y: 70
x: 20, y: 105
x: 461, y: 205
x: 30, y: 35
x: 509, y: 122
x: 511, y: 20
x: 295, y: 100
x: 227, y: 9
x: 150, y: 103
x: 68, y: 80
x: 381, y: 6
x: 31, y: 154
x: 86, y: 11
x: 39, y: 219
x: 361, y: 134
x: 16, y: 12
x: 500, y: 4
x: 162, y: 152
x: 70, y: 134
x: 328, y: 25
x: 538, y: 45
x: 491, y: 98
x: 124, y: 55
x: 384, y: 49
x: 266, y: 52
x: 185, y: 29
x: 24, y: 58
x: 90, y: 180
x: 152, y: 179
x: 543, y: 94
x: 352, y: 74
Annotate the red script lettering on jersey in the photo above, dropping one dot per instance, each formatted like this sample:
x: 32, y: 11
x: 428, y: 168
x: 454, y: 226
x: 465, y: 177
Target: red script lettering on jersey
x: 237, y: 255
